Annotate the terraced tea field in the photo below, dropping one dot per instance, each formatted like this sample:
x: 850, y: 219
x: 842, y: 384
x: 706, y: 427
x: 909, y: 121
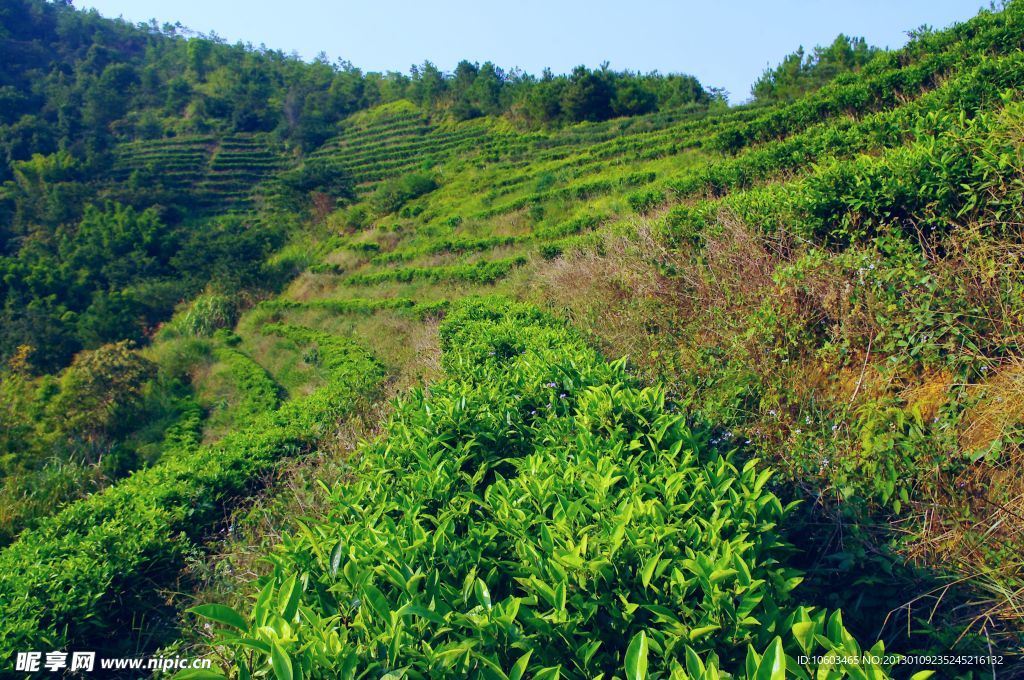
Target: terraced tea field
x: 216, y: 173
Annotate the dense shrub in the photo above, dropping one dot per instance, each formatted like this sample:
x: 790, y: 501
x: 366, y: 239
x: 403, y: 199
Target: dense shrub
x: 484, y: 271
x: 645, y: 201
x: 258, y: 392
x: 206, y: 314
x: 450, y: 245
x: 323, y: 175
x: 393, y: 194
x: 535, y: 514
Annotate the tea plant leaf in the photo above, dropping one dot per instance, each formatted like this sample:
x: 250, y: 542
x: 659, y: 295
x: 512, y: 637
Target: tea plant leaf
x: 281, y: 662
x: 648, y: 571
x: 221, y: 614
x: 636, y: 657
x: 337, y: 553
x: 803, y: 632
x: 291, y: 591
x: 520, y: 666
x: 378, y: 602
x: 773, y: 663
x: 483, y: 596
x: 198, y: 674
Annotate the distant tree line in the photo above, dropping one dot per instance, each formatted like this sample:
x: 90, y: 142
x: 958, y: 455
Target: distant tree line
x: 801, y: 72
x: 474, y: 90
x: 76, y: 81
x: 73, y: 80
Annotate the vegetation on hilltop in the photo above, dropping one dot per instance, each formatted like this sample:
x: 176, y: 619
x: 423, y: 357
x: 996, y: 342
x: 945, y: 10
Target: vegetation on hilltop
x: 800, y: 73
x: 74, y: 81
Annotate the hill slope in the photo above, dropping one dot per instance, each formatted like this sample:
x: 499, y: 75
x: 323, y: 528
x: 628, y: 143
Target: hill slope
x: 818, y: 300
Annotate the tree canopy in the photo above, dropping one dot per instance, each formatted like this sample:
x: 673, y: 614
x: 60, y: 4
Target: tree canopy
x: 800, y: 72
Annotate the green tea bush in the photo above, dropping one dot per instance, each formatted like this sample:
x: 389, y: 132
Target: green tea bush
x: 259, y: 393
x: 186, y: 432
x: 363, y: 247
x: 645, y: 201
x: 571, y: 227
x: 449, y: 245
x: 483, y: 272
x: 535, y: 515
x: 971, y: 90
x: 24, y: 498
x: 83, y: 576
x: 347, y: 306
x: 956, y: 170
x: 356, y: 217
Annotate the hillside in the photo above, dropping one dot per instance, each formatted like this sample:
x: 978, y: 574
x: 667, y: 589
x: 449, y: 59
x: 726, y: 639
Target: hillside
x: 449, y: 389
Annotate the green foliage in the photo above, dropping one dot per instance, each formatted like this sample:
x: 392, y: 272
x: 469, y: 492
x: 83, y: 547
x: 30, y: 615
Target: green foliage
x: 572, y: 227
x: 117, y: 273
x: 321, y: 175
x: 16, y: 427
x: 207, y: 313
x: 27, y: 497
x: 483, y: 272
x: 600, y: 94
x: 351, y: 305
x: 863, y: 223
x: 357, y: 217
x: 85, y: 573
x: 100, y: 392
x: 47, y: 189
x: 535, y: 511
x: 186, y: 432
x: 973, y: 89
x: 69, y: 436
x: 961, y: 171
x: 393, y: 194
x: 645, y: 201
x: 799, y: 72
x: 230, y: 254
x: 259, y: 393
x: 452, y: 245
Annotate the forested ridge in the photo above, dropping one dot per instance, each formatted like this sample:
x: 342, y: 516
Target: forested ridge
x: 328, y: 373
x: 74, y: 80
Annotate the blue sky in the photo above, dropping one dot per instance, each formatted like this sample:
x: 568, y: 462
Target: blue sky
x: 723, y: 43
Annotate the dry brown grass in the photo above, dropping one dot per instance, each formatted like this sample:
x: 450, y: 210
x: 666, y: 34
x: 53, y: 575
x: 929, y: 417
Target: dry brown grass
x: 512, y: 224
x: 619, y: 296
x: 999, y: 408
x: 387, y: 240
x: 735, y: 267
x: 929, y: 393
x: 309, y: 286
x: 971, y: 521
x: 624, y: 296
x: 987, y: 273
x: 974, y: 521
x: 344, y: 258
